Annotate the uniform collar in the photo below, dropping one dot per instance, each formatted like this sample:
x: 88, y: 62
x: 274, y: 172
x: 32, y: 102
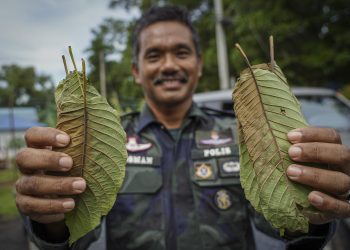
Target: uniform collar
x: 147, y: 117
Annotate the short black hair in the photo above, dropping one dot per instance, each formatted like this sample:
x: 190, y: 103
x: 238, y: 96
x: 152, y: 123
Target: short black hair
x: 158, y: 14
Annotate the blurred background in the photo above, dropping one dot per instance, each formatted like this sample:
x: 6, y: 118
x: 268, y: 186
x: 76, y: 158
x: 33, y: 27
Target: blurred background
x: 312, y: 46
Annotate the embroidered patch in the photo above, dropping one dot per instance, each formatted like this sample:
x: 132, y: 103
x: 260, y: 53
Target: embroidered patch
x: 215, y: 139
x: 203, y: 171
x: 223, y: 199
x: 140, y: 160
x: 133, y: 146
x: 231, y: 167
x: 214, y: 152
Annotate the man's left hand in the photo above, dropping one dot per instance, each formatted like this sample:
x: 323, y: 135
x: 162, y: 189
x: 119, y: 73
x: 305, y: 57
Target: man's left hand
x: 322, y: 145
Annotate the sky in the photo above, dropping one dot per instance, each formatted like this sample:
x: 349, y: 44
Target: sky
x: 38, y: 32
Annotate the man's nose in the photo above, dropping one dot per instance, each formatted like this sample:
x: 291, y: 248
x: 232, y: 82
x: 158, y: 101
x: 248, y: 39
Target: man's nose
x: 169, y: 64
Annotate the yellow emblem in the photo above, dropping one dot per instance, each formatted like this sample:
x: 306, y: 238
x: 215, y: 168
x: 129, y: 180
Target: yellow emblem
x: 203, y: 171
x: 223, y: 199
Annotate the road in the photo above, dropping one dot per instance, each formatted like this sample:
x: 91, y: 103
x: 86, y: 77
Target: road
x: 12, y: 234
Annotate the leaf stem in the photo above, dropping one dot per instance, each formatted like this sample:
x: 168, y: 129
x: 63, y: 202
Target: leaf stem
x: 76, y: 71
x: 85, y: 116
x: 84, y: 78
x: 246, y: 60
x: 72, y: 57
x: 272, y: 54
x: 65, y: 65
x: 243, y: 54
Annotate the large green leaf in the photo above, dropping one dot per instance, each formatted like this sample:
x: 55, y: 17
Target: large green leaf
x: 267, y: 110
x: 97, y: 147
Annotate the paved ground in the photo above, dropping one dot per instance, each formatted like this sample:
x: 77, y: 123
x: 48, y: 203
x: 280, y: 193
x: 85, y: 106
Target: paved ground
x: 12, y: 235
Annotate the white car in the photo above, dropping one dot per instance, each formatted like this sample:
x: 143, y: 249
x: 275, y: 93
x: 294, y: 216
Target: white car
x: 322, y: 107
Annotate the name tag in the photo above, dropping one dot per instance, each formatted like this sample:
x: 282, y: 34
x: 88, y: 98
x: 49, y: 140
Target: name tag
x: 140, y: 160
x: 212, y: 152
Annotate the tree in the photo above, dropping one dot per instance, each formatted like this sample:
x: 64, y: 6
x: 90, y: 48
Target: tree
x: 23, y: 87
x: 312, y: 42
x: 111, y: 38
x: 19, y: 84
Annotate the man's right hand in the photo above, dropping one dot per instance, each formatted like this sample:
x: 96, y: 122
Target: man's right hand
x: 40, y: 196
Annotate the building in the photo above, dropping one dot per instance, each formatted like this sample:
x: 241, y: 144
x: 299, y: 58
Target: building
x: 13, y: 124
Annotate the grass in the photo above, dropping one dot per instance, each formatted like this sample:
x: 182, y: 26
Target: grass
x: 8, y: 175
x: 7, y: 205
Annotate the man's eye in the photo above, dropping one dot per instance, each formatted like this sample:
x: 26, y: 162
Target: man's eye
x: 182, y: 54
x: 152, y: 57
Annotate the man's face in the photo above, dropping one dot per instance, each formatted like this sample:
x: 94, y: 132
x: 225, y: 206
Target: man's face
x: 168, y: 67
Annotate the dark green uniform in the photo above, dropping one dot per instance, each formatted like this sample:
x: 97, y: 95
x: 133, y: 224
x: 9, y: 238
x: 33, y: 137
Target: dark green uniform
x: 182, y: 189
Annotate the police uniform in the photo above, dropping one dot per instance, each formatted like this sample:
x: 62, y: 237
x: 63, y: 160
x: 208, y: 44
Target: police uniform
x: 182, y: 190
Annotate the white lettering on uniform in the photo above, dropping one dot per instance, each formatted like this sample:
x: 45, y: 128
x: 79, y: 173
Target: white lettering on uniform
x: 142, y: 160
x: 217, y: 151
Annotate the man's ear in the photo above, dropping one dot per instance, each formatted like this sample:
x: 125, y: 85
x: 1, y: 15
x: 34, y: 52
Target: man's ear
x: 136, y: 73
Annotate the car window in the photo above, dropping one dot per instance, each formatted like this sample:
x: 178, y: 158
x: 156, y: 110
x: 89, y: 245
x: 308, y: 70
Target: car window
x: 325, y: 111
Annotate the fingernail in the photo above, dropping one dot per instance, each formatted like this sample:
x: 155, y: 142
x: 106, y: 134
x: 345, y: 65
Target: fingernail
x: 62, y: 139
x: 293, y: 171
x: 316, y: 199
x: 65, y: 162
x: 294, y: 151
x: 68, y: 204
x: 294, y: 136
x: 79, y: 185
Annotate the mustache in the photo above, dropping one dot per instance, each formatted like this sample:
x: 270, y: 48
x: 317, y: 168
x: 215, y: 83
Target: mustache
x: 181, y: 77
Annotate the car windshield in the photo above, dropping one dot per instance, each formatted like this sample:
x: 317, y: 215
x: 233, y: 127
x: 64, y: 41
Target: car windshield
x: 325, y: 111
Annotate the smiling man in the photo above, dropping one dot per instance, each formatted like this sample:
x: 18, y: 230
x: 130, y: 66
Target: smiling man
x: 182, y: 188
x: 167, y: 66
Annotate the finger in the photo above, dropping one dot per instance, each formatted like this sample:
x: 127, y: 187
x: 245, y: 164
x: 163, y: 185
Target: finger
x: 328, y: 204
x: 320, y: 152
x: 34, y: 205
x: 312, y: 134
x: 45, y: 136
x: 320, y: 179
x: 318, y: 217
x: 47, y: 218
x: 49, y: 185
x: 29, y: 160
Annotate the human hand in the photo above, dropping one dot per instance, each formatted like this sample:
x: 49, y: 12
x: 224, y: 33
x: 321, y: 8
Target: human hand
x: 322, y: 145
x: 40, y: 196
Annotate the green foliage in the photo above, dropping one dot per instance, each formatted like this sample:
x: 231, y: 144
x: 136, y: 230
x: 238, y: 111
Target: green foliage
x: 16, y: 143
x: 267, y: 110
x: 311, y: 37
x: 8, y: 175
x: 118, y: 72
x: 313, y: 42
x: 7, y: 205
x: 20, y: 82
x: 346, y: 91
x: 97, y: 148
x: 24, y: 87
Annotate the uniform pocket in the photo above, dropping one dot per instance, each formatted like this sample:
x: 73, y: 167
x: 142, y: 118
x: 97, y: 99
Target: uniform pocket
x: 136, y: 220
x: 219, y: 199
x: 141, y: 180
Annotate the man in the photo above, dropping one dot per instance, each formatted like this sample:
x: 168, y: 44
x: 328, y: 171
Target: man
x: 182, y: 189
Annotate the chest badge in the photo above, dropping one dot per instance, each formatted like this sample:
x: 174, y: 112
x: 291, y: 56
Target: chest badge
x: 223, y: 199
x: 133, y: 146
x: 215, y: 139
x: 203, y: 171
x: 231, y: 167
